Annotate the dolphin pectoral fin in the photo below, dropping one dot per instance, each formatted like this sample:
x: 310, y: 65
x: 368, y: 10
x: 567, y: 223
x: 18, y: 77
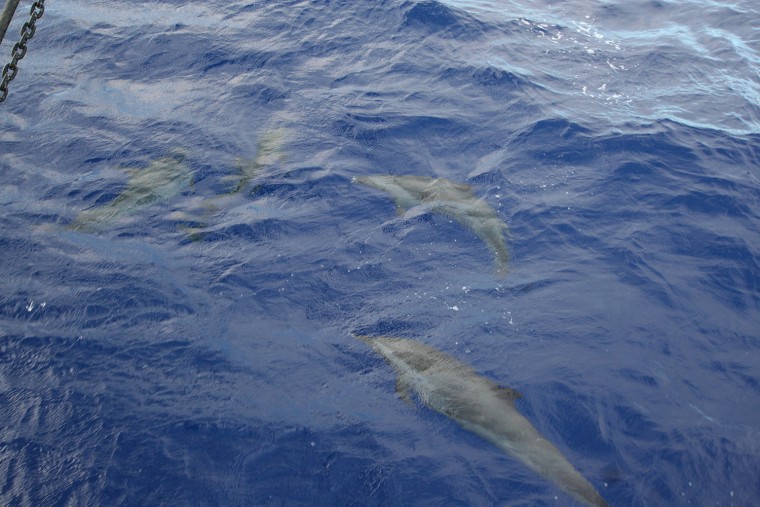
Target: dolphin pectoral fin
x: 402, y: 390
x: 411, y: 209
x: 412, y: 212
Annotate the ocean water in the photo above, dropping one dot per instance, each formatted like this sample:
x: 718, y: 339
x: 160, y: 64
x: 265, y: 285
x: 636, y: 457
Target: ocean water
x: 195, y: 348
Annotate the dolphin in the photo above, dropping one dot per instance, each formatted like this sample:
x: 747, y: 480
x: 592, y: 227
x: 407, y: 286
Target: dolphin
x: 449, y: 198
x: 268, y: 152
x: 481, y: 406
x: 161, y: 180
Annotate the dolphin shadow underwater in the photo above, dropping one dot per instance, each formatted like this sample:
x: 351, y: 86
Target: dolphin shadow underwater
x: 455, y: 200
x: 481, y: 406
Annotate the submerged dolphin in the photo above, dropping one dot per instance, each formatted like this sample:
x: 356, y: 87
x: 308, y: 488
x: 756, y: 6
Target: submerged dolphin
x: 161, y: 180
x: 481, y: 406
x: 454, y: 200
x: 268, y: 152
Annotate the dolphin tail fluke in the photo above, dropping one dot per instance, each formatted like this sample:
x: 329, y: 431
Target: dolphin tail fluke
x: 501, y: 261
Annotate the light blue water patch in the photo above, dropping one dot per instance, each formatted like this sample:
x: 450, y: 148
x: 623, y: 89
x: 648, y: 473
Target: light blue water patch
x: 596, y: 65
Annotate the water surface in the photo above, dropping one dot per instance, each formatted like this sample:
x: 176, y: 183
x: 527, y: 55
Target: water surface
x: 197, y: 350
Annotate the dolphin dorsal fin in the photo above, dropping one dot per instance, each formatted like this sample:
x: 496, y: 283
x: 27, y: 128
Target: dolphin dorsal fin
x: 507, y: 393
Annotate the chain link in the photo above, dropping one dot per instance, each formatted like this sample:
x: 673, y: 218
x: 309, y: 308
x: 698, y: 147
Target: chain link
x: 19, y: 49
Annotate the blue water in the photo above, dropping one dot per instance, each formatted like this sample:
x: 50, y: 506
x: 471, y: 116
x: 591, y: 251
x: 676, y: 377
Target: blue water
x: 142, y: 364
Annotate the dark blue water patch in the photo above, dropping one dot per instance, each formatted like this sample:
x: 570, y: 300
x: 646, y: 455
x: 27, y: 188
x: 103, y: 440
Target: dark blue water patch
x: 664, y: 55
x: 373, y: 135
x: 260, y: 93
x: 259, y: 292
x: 639, y: 426
x: 367, y: 135
x: 659, y: 147
x: 429, y: 16
x: 658, y: 144
x: 664, y: 456
x: 291, y: 464
x: 278, y: 189
x: 101, y: 199
x: 125, y: 305
x: 363, y: 128
x: 636, y: 270
x: 553, y: 229
x: 22, y: 306
x: 497, y: 83
x: 490, y: 77
x: 308, y: 174
x: 638, y: 377
x: 391, y: 327
x: 82, y: 150
x: 554, y: 128
x: 86, y: 298
x: 89, y: 146
x: 251, y: 275
x: 671, y: 455
x: 733, y: 152
x: 219, y: 60
x: 738, y: 373
x: 259, y: 230
x: 636, y: 172
x: 17, y: 246
x: 166, y: 132
x: 730, y: 272
x: 325, y: 305
x: 720, y: 196
x: 690, y: 240
x: 68, y: 33
x: 555, y: 140
x: 152, y: 55
x: 645, y: 10
x: 66, y: 190
x: 72, y: 149
x: 99, y: 436
x: 24, y: 462
x: 562, y: 408
x: 236, y: 10
x: 335, y: 45
x: 303, y: 184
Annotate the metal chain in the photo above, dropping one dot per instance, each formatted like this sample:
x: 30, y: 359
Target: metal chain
x: 19, y: 49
